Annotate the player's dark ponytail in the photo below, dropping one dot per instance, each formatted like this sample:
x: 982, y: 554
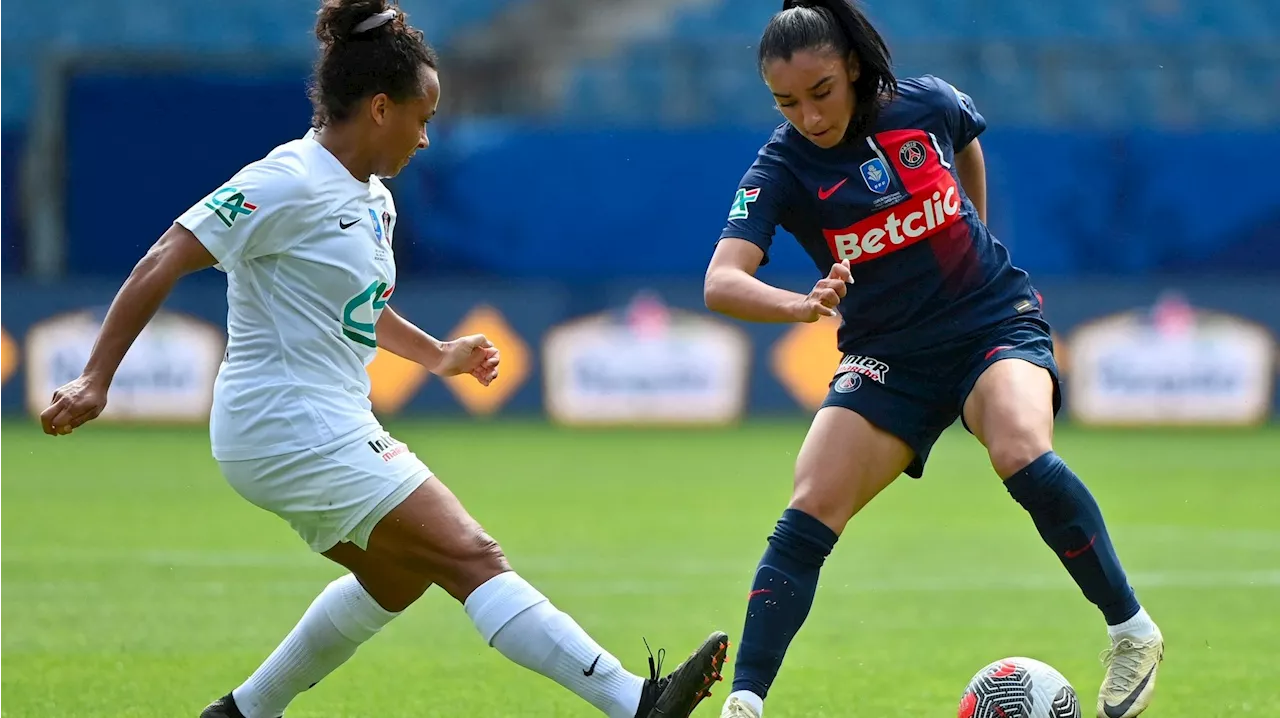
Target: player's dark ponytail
x: 836, y: 25
x: 367, y: 47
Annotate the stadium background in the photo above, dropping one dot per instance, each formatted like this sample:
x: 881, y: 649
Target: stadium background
x: 581, y: 167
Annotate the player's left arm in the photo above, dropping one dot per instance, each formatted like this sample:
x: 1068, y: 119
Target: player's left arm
x: 964, y: 123
x: 472, y: 354
x: 973, y: 176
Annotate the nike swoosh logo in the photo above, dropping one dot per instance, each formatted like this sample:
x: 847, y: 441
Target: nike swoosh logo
x: 592, y: 669
x: 758, y: 592
x: 348, y: 225
x: 1077, y: 552
x: 1118, y: 710
x: 826, y: 193
x: 995, y: 351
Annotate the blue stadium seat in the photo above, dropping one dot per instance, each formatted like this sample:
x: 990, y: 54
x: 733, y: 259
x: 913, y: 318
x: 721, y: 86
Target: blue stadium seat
x: 280, y: 28
x: 971, y: 42
x: 17, y: 81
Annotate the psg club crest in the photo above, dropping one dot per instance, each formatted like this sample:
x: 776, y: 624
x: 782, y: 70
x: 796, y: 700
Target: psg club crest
x: 875, y: 175
x: 848, y: 382
x: 912, y: 154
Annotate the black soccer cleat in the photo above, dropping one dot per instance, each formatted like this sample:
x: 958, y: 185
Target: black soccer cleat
x: 676, y: 694
x: 224, y: 707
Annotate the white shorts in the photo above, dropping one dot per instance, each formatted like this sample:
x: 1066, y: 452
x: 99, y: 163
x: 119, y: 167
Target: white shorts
x: 332, y: 493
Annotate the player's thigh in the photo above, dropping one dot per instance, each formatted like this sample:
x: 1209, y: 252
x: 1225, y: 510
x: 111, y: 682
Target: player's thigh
x: 432, y: 535
x: 335, y: 492
x: 1011, y: 411
x: 844, y: 462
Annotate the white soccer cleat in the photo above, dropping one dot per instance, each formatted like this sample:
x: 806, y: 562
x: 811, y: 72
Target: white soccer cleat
x: 1131, y: 676
x: 735, y: 708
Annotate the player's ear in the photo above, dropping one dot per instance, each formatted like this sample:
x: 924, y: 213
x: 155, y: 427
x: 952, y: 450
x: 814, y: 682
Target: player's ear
x: 855, y: 67
x: 378, y: 106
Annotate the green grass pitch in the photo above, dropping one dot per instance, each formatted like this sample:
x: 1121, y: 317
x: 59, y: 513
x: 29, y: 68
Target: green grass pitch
x: 137, y: 584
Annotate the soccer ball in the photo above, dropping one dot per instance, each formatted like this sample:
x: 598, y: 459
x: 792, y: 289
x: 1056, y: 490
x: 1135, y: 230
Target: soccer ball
x: 1019, y: 688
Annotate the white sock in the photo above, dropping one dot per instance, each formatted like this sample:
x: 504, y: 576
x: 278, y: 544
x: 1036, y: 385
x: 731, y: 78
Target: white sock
x: 524, y: 626
x: 342, y: 617
x: 1138, y: 628
x: 751, y: 699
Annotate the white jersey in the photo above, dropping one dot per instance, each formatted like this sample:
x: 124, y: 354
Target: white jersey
x: 307, y: 251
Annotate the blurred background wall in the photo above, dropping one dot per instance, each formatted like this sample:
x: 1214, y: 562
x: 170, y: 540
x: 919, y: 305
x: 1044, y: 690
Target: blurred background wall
x: 583, y: 162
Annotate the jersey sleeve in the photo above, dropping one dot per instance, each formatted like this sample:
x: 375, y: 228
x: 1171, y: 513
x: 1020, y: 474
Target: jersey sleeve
x: 247, y: 217
x: 759, y: 204
x: 963, y: 120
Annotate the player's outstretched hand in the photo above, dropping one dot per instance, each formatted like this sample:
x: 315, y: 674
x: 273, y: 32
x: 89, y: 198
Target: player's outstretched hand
x: 73, y: 404
x: 825, y: 296
x: 472, y: 354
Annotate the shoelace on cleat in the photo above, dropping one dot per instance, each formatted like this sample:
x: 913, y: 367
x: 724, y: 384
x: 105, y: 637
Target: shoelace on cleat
x: 1123, y: 661
x: 655, y: 669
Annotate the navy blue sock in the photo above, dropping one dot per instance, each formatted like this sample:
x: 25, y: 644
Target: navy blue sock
x: 780, y: 597
x: 1069, y: 521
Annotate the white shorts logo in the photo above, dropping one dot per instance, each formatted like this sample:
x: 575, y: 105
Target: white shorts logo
x: 387, y: 447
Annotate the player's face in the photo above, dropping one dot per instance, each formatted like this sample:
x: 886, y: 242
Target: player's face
x: 405, y: 125
x: 814, y: 91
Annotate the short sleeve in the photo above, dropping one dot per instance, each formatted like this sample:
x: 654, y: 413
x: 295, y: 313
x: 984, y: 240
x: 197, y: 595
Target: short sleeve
x: 962, y: 117
x: 246, y: 217
x: 759, y: 204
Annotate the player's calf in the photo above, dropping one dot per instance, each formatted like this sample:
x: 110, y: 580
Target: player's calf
x: 1070, y: 522
x: 336, y: 623
x: 515, y: 618
x: 781, y: 595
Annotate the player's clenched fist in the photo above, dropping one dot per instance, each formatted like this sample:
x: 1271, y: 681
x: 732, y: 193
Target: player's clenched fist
x: 825, y: 296
x: 474, y: 355
x: 73, y: 404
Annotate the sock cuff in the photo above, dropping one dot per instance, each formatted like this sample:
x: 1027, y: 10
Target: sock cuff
x: 498, y: 600
x: 352, y: 610
x: 809, y: 526
x: 803, y: 537
x: 1035, y: 477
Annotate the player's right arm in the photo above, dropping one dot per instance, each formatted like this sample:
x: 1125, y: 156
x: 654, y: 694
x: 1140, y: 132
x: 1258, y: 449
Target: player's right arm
x: 731, y: 287
x: 240, y: 221
x: 176, y: 254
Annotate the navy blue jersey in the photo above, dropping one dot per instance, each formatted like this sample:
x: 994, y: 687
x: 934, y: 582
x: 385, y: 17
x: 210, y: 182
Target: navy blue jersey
x: 926, y: 270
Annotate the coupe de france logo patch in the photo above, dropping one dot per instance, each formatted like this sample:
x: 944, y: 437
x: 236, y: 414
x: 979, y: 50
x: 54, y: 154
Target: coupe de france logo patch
x: 228, y: 203
x: 742, y: 201
x: 875, y: 175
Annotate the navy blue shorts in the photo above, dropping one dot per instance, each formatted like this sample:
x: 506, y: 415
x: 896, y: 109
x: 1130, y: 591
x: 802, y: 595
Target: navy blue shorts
x: 917, y: 396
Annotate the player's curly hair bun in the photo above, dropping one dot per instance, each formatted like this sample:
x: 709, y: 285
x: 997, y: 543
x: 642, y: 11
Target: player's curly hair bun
x: 338, y: 19
x: 367, y: 48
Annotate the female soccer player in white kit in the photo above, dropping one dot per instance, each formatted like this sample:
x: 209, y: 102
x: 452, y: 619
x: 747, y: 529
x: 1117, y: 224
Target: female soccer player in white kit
x: 304, y: 236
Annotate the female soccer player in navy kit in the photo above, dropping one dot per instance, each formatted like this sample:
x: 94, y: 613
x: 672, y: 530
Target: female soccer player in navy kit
x: 883, y: 184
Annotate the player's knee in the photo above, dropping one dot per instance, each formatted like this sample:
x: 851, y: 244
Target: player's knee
x: 821, y: 505
x: 1013, y: 450
x: 480, y: 558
